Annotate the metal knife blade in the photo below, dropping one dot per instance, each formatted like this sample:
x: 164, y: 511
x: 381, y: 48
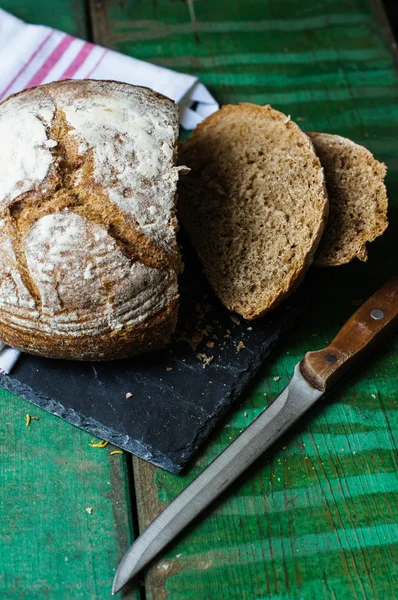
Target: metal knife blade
x: 277, y: 418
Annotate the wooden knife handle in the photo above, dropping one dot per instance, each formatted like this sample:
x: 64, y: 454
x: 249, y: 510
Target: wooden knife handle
x: 371, y: 322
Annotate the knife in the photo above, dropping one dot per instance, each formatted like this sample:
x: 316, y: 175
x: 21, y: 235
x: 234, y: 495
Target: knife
x: 313, y: 377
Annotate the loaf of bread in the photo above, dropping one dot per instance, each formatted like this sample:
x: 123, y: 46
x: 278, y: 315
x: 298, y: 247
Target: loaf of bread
x: 88, y: 252
x: 254, y: 204
x: 357, y: 199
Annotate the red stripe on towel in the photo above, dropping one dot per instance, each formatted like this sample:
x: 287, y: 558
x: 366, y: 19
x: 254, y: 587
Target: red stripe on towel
x: 22, y: 69
x: 78, y: 61
x: 51, y: 61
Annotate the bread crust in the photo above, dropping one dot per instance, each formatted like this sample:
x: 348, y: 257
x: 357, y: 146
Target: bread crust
x: 203, y: 153
x: 89, y: 259
x: 149, y: 336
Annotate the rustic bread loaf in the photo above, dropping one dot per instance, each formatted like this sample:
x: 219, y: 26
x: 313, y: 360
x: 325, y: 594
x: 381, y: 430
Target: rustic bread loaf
x: 254, y: 204
x: 88, y: 252
x: 357, y: 199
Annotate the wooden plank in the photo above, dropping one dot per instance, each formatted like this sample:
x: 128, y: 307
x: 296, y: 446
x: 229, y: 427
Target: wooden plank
x: 317, y: 517
x: 66, y: 15
x: 99, y: 22
x: 65, y: 508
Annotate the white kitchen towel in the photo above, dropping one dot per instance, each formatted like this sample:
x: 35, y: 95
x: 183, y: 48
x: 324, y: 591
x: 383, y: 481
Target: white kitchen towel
x: 8, y: 358
x: 31, y: 55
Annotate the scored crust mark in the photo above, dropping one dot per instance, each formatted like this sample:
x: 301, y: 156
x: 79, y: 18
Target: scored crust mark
x: 23, y: 172
x: 87, y: 285
x: 23, y: 178
x: 254, y: 204
x: 132, y: 142
x: 16, y: 241
x: 15, y: 296
x: 112, y: 295
x: 71, y: 189
x: 82, y: 267
x: 358, y: 199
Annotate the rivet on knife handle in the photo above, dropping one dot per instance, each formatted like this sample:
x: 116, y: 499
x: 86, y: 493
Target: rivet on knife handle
x: 374, y: 319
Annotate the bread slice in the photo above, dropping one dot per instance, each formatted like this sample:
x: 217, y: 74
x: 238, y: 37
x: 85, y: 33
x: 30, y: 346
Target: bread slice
x: 254, y: 204
x: 357, y: 196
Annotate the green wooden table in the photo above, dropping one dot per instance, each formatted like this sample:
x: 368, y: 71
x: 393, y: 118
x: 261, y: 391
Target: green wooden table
x: 317, y: 518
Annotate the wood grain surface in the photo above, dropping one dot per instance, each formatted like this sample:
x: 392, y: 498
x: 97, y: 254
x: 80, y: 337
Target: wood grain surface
x: 65, y: 507
x: 317, y: 516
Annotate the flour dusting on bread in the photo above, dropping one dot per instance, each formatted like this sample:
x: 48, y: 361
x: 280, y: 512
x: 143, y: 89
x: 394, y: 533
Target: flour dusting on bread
x: 89, y: 257
x: 76, y: 247
x: 13, y: 293
x: 133, y: 151
x: 24, y: 145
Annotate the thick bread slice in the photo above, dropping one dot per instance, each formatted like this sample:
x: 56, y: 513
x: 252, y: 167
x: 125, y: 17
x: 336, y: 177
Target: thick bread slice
x: 254, y: 203
x: 357, y: 196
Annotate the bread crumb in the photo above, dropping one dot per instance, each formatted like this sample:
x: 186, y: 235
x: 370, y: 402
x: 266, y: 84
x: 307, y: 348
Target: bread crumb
x: 89, y: 510
x: 129, y: 395
x: 206, y: 359
x: 210, y: 344
x: 300, y: 119
x: 100, y: 444
x: 169, y: 368
x: 234, y: 319
x: 240, y: 346
x: 35, y: 418
x: 277, y: 378
x: 183, y: 169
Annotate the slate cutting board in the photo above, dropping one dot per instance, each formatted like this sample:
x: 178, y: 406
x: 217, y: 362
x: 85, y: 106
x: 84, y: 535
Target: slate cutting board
x: 179, y: 394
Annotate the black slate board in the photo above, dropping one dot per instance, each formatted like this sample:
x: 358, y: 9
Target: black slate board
x: 176, y: 402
